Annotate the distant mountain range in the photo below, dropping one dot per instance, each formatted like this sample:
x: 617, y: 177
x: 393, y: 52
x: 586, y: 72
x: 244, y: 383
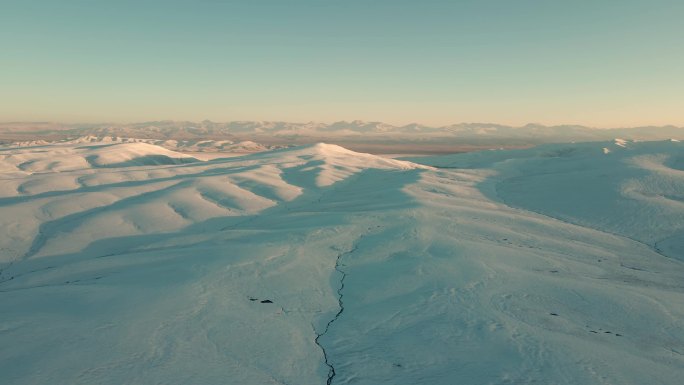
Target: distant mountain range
x: 356, y: 131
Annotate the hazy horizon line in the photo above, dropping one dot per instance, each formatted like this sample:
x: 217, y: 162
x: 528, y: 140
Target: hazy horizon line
x: 352, y: 121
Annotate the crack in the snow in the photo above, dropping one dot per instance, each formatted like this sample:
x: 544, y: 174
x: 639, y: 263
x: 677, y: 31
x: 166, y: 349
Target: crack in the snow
x: 340, y: 302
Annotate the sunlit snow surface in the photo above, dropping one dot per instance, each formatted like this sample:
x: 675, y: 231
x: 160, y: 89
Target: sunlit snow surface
x: 127, y: 263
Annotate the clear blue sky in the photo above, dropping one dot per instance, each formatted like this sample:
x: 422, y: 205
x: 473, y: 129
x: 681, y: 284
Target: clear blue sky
x: 601, y: 62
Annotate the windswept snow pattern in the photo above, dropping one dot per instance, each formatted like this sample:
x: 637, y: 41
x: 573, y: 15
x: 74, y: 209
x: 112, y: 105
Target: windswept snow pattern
x: 130, y: 263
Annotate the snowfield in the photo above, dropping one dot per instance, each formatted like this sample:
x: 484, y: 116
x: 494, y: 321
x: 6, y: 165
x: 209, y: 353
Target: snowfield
x: 129, y: 263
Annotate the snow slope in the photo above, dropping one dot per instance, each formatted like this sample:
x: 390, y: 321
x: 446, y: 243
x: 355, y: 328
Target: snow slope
x: 634, y: 189
x: 318, y: 265
x: 59, y: 158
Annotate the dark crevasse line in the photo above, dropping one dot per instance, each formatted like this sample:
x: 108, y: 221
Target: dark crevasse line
x: 340, y: 302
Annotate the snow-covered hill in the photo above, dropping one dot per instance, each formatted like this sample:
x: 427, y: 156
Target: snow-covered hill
x: 317, y: 265
x: 70, y: 158
x: 186, y: 145
x: 634, y: 189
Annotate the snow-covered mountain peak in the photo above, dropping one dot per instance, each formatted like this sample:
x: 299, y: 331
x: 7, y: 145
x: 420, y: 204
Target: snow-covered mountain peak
x: 621, y: 142
x: 339, y: 157
x: 325, y: 148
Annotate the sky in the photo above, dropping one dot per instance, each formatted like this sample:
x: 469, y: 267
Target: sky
x: 602, y: 63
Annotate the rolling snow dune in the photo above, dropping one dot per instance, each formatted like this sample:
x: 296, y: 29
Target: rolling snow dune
x: 318, y: 265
